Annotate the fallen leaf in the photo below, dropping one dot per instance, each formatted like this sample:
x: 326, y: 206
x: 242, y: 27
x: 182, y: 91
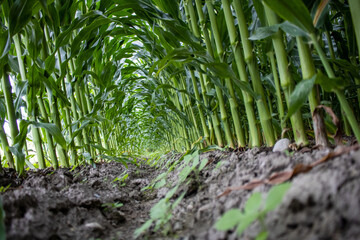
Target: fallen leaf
x: 249, y: 186
x: 280, y: 177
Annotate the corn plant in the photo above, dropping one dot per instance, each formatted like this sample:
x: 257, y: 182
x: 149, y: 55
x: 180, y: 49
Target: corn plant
x: 87, y: 80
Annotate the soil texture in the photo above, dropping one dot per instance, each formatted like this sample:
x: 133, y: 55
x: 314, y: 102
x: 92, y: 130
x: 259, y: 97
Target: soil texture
x: 103, y: 203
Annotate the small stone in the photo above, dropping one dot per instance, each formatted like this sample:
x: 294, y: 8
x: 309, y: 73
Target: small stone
x: 94, y: 226
x: 134, y: 194
x: 189, y: 207
x: 178, y: 226
x: 282, y: 145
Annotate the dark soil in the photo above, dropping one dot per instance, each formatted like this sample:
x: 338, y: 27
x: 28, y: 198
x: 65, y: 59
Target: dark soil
x: 323, y: 203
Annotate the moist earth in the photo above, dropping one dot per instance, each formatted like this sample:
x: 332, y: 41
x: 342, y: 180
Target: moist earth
x: 102, y: 203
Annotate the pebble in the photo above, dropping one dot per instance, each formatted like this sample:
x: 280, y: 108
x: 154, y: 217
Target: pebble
x: 94, y: 226
x: 282, y: 145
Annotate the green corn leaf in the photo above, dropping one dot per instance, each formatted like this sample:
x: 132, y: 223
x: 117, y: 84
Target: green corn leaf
x: 160, y: 184
x: 293, y: 11
x: 51, y: 85
x: 101, y: 148
x: 53, y: 130
x: 123, y: 160
x: 246, y: 221
x: 168, y: 6
x: 20, y: 14
x: 229, y: 220
x: 300, y: 95
x: 253, y: 204
x: 264, y: 32
x: 275, y: 196
x: 259, y: 7
x: 13, y: 63
x: 262, y: 236
x: 85, y: 33
x: 171, y: 192
x: 203, y: 164
x: 50, y: 64
x: 143, y: 228
x: 292, y: 29
x: 223, y: 70
x: 64, y: 37
x: 160, y: 209
x: 330, y: 84
x: 185, y: 173
x: 2, y: 111
x: 5, y: 44
x: 21, y: 137
x: 16, y: 149
x: 178, y: 200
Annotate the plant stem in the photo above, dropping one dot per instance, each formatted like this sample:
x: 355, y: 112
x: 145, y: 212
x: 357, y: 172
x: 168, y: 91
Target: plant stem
x: 340, y: 95
x: 287, y: 82
x: 208, y: 85
x: 233, y: 105
x: 5, y: 147
x: 279, y: 101
x: 49, y: 138
x: 265, y: 117
x: 10, y: 109
x: 308, y: 71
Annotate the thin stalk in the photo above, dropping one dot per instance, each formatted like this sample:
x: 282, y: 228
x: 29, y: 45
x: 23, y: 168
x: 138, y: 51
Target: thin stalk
x: 182, y: 127
x: 81, y: 114
x: 190, y: 110
x: 56, y: 120
x: 201, y: 113
x: 287, y: 82
x: 49, y: 138
x: 354, y: 10
x: 85, y: 107
x: 90, y: 106
x: 308, y: 71
x: 195, y: 29
x: 78, y: 139
x: 331, y: 48
x: 250, y: 58
x: 102, y: 132
x: 280, y: 105
x: 347, y: 129
x: 232, y: 98
x: 207, y: 84
x: 5, y: 81
x: 6, y: 148
x: 32, y: 114
x: 54, y: 112
x: 10, y: 109
x: 67, y: 118
x: 340, y: 95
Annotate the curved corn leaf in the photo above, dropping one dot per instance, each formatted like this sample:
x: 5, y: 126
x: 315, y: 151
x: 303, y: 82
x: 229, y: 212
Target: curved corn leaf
x: 300, y: 95
x: 293, y: 11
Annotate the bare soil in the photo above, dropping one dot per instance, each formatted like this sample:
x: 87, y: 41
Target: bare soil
x: 86, y: 203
